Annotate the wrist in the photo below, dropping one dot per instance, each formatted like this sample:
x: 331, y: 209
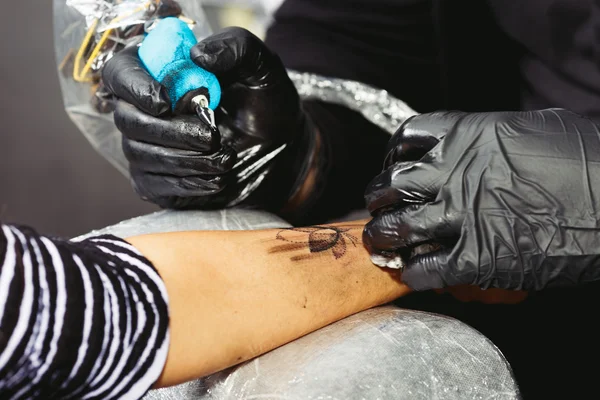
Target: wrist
x: 291, y: 185
x: 310, y: 159
x: 347, y: 153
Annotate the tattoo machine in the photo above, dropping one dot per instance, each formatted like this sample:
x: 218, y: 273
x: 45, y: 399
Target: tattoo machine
x: 111, y: 25
x: 88, y: 33
x: 165, y: 52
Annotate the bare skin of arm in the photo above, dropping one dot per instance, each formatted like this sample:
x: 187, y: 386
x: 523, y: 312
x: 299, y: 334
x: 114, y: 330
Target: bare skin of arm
x: 234, y: 295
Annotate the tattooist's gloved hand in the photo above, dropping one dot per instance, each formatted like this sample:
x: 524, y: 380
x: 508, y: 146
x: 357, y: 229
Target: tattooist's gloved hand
x: 266, y: 140
x: 512, y: 197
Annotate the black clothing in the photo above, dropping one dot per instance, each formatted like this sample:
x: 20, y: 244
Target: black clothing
x: 469, y: 55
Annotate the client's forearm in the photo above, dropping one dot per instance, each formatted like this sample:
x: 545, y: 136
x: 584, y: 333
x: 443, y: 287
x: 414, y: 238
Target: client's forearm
x: 235, y: 295
x: 221, y: 297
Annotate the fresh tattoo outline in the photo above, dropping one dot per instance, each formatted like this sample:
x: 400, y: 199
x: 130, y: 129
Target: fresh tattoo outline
x: 320, y: 239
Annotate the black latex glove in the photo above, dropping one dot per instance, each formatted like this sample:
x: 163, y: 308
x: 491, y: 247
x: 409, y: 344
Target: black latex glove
x: 513, y: 197
x: 174, y: 160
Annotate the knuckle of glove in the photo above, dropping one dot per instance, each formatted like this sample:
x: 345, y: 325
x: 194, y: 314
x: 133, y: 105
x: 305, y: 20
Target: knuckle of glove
x: 225, y: 50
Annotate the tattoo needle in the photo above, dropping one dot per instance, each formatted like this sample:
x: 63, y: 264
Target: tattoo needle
x: 204, y: 112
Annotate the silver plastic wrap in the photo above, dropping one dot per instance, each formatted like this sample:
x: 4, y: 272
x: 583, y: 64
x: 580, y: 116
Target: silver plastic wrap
x: 193, y: 220
x: 384, y: 353
x: 376, y: 105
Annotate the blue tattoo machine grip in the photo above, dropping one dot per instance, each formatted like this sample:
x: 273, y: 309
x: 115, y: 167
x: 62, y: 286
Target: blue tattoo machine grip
x: 165, y: 52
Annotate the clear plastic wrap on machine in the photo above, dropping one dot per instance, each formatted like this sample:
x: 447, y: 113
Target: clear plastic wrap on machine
x: 87, y: 33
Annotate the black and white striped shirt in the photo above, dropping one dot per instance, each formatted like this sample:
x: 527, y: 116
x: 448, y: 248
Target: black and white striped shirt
x: 78, y: 320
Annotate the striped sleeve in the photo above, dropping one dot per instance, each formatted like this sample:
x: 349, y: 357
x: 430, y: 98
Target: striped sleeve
x: 78, y: 320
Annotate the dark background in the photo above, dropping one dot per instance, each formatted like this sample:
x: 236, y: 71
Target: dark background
x: 50, y: 177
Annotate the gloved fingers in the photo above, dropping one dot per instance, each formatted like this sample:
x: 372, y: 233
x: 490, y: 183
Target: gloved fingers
x: 152, y: 187
x: 443, y: 269
x: 164, y: 160
x: 420, y: 134
x: 185, y: 132
x: 125, y: 76
x: 235, y: 55
x: 402, y: 184
x: 391, y: 231
x: 432, y: 271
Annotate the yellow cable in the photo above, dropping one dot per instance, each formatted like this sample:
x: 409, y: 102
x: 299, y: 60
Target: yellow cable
x: 80, y: 76
x: 88, y: 36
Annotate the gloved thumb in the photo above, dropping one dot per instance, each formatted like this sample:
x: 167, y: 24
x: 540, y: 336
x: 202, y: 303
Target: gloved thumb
x: 420, y: 134
x: 235, y: 55
x: 430, y: 271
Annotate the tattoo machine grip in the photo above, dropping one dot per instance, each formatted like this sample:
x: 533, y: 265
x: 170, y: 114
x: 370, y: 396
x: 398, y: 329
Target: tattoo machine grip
x: 165, y: 52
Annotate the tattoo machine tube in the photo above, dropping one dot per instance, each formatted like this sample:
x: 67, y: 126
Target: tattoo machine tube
x: 165, y: 52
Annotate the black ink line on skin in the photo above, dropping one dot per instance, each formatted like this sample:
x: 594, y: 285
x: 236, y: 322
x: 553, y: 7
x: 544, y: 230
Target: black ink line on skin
x: 287, y: 247
x: 320, y: 239
x: 302, y: 257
